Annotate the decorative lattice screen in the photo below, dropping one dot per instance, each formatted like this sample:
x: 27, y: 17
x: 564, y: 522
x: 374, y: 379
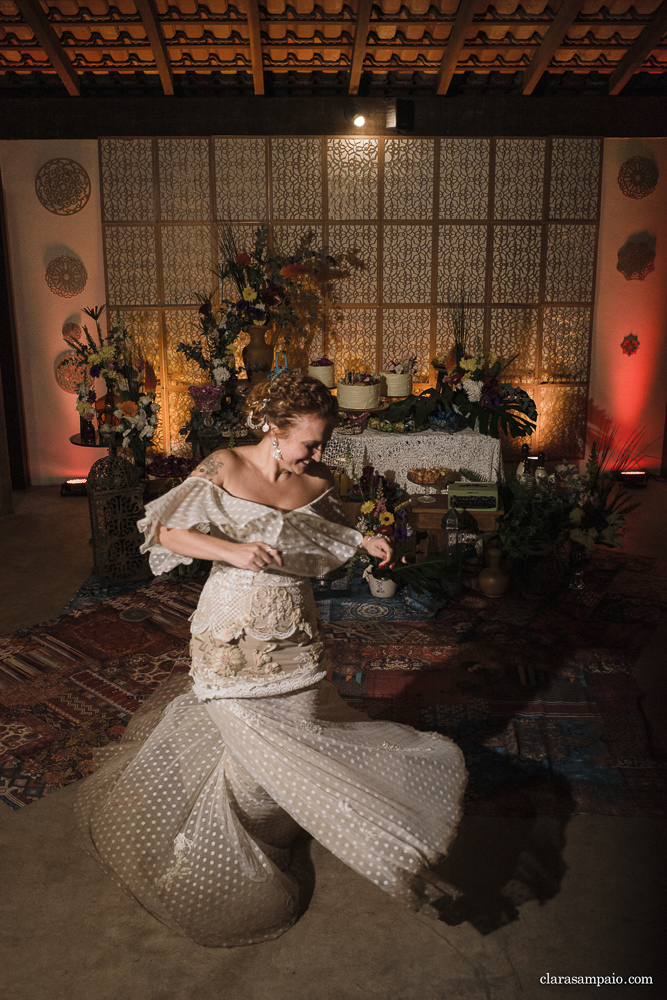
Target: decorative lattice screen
x: 513, y: 221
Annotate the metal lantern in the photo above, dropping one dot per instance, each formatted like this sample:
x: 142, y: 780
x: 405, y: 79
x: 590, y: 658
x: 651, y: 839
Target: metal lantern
x: 458, y: 530
x: 116, y: 503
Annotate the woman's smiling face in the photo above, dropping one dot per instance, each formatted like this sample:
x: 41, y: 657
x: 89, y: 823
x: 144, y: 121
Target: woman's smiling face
x: 303, y: 442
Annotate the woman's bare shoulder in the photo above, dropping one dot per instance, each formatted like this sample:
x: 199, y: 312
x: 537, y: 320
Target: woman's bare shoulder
x: 320, y: 477
x: 214, y: 466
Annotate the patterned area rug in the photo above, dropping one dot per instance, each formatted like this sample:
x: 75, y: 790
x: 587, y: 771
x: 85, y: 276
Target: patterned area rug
x: 539, y: 694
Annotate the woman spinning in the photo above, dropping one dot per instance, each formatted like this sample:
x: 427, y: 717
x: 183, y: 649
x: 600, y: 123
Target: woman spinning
x: 195, y: 810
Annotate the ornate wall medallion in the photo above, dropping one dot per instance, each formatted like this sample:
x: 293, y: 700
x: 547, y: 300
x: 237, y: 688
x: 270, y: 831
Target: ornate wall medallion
x: 636, y: 260
x: 62, y: 186
x: 73, y: 331
x: 66, y: 276
x: 630, y: 344
x: 69, y: 370
x: 638, y: 177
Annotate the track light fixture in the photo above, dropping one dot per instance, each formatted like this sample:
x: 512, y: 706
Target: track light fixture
x: 353, y: 114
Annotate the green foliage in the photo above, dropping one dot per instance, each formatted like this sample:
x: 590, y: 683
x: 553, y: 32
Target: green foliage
x: 515, y: 414
x: 534, y: 515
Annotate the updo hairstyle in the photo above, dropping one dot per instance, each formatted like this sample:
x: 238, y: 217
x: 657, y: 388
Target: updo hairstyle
x: 285, y: 398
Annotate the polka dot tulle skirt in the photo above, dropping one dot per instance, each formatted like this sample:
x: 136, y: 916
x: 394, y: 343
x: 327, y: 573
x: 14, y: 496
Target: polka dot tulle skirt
x: 194, y: 811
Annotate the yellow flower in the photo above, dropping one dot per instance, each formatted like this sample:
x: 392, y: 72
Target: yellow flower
x: 583, y: 538
x: 576, y: 515
x: 386, y: 517
x: 468, y: 364
x: 249, y: 294
x: 367, y: 507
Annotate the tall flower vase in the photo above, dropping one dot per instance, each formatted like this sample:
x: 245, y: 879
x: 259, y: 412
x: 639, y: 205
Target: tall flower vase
x: 577, y: 564
x: 257, y: 355
x: 107, y: 422
x: 138, y: 446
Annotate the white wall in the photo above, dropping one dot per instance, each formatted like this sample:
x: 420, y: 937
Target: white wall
x: 631, y: 391
x: 35, y: 237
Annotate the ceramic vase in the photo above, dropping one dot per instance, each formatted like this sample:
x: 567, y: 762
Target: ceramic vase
x: 493, y: 580
x: 382, y: 588
x: 257, y: 355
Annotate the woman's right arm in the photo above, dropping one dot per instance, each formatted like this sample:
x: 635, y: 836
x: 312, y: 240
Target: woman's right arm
x: 189, y: 542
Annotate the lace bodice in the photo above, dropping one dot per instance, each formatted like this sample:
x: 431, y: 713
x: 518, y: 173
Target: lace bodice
x: 254, y: 634
x: 312, y: 539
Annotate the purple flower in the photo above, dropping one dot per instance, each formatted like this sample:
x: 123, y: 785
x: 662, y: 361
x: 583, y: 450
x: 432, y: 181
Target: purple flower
x: 92, y: 396
x: 95, y: 371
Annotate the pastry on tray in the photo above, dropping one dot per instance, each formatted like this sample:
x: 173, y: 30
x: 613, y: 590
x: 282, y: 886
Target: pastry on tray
x: 424, y: 477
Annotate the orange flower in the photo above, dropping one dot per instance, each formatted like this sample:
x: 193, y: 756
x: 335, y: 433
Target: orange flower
x: 293, y: 270
x: 129, y: 409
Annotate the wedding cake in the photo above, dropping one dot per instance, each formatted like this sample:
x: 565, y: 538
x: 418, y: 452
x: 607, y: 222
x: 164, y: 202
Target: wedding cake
x: 358, y: 391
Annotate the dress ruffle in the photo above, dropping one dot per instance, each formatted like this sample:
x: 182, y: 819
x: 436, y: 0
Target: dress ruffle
x: 312, y: 540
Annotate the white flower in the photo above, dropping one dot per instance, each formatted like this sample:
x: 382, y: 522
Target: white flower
x: 122, y: 384
x: 220, y: 374
x: 144, y: 399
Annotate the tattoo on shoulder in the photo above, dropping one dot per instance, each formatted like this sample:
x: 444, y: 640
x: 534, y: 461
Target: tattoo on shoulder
x: 209, y: 469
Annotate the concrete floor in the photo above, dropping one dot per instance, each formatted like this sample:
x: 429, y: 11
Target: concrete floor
x: 559, y: 896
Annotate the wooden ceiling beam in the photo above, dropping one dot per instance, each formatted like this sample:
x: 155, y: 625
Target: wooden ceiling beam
x: 148, y: 13
x: 550, y: 44
x: 635, y: 56
x: 255, y: 46
x: 33, y: 14
x: 455, y: 42
x: 360, y: 38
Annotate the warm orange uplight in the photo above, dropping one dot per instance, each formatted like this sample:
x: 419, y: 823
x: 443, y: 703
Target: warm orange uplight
x: 75, y: 482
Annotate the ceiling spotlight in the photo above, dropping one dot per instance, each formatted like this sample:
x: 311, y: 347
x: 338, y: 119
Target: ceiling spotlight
x: 353, y: 114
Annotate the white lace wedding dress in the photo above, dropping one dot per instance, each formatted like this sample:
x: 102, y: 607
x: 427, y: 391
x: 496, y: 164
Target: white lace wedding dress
x: 193, y: 812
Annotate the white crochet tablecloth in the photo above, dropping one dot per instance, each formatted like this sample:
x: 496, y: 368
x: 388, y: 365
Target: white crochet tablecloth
x: 394, y: 454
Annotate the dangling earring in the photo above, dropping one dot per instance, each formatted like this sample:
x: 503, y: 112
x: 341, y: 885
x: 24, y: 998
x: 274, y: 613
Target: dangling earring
x: 275, y: 450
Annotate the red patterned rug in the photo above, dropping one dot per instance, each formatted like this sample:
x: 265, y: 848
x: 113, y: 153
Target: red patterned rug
x: 539, y: 695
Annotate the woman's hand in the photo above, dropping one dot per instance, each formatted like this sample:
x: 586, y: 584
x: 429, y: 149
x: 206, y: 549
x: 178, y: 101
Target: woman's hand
x: 254, y: 556
x: 381, y: 548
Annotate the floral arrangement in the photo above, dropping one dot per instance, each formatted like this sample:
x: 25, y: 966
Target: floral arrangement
x: 469, y: 382
x: 405, y: 366
x: 282, y: 291
x: 573, y: 508
x: 381, y: 511
x: 217, y: 406
x: 214, y: 351
x: 138, y: 412
x: 321, y: 362
x: 598, y: 506
x: 99, y: 357
x: 360, y: 378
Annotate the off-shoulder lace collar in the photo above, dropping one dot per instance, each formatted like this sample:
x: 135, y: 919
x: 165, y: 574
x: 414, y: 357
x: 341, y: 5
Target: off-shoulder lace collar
x: 255, y: 503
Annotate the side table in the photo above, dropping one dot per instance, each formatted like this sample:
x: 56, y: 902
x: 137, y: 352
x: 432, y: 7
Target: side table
x: 111, y: 446
x: 428, y: 517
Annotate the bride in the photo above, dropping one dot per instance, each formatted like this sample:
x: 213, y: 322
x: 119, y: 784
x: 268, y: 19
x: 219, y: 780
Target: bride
x: 194, y: 811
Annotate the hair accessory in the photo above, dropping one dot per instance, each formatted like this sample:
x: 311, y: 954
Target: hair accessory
x: 275, y: 450
x: 255, y: 424
x: 265, y: 426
